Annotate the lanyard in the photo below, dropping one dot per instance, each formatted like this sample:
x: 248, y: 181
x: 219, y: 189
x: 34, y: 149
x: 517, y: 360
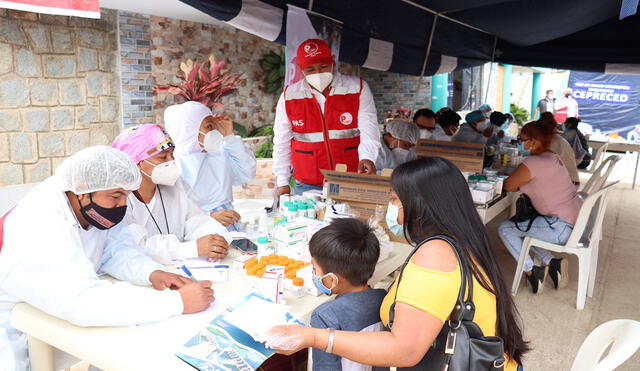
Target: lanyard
x: 164, y: 211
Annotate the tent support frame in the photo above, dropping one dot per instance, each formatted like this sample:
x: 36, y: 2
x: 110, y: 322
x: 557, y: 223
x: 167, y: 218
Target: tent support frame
x: 493, y: 55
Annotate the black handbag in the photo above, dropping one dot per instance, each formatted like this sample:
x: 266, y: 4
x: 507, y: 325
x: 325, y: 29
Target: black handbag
x: 460, y: 345
x: 524, y: 211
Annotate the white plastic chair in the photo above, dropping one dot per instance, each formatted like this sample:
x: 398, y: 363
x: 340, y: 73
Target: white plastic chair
x: 624, y: 337
x: 596, y: 159
x: 600, y: 175
x: 583, y: 242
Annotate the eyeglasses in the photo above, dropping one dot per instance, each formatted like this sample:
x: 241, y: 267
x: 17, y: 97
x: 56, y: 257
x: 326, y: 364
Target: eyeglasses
x: 522, y: 140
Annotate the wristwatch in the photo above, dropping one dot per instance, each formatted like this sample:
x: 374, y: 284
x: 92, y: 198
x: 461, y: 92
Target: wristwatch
x: 332, y: 335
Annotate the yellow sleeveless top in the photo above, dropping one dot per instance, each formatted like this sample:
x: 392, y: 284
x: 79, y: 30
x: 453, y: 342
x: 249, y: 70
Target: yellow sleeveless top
x: 436, y: 293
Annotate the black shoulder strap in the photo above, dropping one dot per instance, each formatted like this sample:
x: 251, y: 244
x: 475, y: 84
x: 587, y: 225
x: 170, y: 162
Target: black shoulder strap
x: 462, y: 309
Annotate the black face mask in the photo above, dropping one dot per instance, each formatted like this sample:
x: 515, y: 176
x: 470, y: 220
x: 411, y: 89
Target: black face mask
x: 102, y: 217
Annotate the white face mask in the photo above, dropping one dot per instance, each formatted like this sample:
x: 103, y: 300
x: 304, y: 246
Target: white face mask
x: 212, y: 141
x: 425, y: 134
x: 166, y: 173
x: 400, y: 155
x: 320, y: 81
x: 481, y: 125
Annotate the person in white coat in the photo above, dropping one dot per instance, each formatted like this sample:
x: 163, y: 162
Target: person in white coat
x: 397, y: 145
x: 165, y: 222
x: 211, y: 158
x: 63, y: 235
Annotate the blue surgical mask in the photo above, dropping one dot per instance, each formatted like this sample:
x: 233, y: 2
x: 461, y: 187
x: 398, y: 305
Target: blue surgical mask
x: 392, y: 219
x: 317, y: 281
x: 564, y: 127
x: 523, y: 151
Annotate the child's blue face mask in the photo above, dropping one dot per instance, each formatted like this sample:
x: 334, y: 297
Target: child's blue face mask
x: 317, y: 281
x: 392, y: 219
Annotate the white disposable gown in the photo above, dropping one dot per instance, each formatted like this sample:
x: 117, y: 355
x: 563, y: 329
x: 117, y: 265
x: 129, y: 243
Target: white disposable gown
x: 49, y: 261
x: 182, y: 222
x: 210, y: 175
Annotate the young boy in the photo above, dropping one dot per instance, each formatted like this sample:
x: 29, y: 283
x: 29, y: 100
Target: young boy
x: 344, y: 255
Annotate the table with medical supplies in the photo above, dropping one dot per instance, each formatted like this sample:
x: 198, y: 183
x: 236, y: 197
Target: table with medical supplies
x: 621, y: 147
x: 152, y: 346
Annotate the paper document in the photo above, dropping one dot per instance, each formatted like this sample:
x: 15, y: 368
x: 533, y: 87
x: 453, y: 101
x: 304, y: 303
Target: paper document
x: 232, y: 340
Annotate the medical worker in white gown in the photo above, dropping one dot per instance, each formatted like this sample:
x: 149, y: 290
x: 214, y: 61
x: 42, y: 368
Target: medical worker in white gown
x: 63, y: 235
x: 211, y: 158
x: 164, y: 220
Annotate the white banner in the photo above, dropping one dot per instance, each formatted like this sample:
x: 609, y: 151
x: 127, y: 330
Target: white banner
x: 302, y: 26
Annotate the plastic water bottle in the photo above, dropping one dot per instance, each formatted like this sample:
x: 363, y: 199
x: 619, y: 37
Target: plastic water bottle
x: 263, y: 246
x: 292, y: 212
x: 311, y: 211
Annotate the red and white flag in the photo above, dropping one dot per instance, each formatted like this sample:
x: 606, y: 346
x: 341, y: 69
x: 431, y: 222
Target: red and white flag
x: 75, y: 8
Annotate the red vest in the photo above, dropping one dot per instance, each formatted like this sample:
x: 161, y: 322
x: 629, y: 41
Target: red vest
x: 322, y: 142
x: 2, y: 219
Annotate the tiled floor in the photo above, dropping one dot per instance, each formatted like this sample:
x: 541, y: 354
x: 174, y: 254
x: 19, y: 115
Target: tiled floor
x: 553, y: 326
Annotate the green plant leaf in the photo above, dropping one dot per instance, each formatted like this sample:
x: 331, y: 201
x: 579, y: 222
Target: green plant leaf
x: 266, y: 65
x: 520, y: 114
x: 273, y: 76
x: 240, y: 130
x: 266, y: 150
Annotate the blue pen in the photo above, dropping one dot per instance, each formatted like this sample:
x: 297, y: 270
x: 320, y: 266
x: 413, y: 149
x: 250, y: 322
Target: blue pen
x: 188, y: 273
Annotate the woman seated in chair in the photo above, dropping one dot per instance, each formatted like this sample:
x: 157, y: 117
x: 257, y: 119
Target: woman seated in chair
x: 544, y: 178
x: 578, y: 142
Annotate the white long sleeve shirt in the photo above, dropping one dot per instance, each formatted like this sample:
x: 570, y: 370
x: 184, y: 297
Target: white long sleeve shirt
x: 367, y: 124
x: 49, y: 261
x: 180, y: 222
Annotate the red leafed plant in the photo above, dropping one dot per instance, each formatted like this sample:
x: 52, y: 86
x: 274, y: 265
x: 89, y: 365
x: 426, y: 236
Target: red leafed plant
x: 203, y: 84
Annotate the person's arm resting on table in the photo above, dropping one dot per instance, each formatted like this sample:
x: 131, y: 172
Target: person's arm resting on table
x: 521, y: 176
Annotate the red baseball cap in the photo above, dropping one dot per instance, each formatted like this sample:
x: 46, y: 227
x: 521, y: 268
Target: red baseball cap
x: 313, y: 51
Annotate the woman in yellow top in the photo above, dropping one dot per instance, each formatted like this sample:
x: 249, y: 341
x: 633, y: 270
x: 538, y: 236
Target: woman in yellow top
x: 432, y: 198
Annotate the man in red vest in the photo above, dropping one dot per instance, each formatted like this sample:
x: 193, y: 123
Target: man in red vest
x: 323, y: 120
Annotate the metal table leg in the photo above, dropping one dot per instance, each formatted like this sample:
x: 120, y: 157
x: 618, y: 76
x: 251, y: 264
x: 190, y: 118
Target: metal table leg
x: 635, y: 171
x: 40, y: 355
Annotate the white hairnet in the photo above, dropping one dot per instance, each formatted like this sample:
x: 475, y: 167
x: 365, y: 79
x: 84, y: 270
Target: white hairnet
x: 404, y: 130
x: 182, y: 122
x: 98, y: 168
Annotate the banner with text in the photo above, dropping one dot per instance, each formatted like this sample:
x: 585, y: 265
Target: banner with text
x: 609, y: 103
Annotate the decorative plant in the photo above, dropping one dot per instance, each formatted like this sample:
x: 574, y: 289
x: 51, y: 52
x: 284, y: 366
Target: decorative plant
x: 272, y: 64
x: 202, y: 83
x: 520, y: 114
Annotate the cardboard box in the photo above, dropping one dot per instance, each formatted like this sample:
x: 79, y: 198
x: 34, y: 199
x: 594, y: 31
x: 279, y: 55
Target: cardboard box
x: 468, y: 157
x: 363, y: 192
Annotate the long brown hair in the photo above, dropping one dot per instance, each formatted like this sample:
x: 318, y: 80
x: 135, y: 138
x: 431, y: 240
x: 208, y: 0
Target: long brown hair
x: 543, y: 132
x: 436, y: 200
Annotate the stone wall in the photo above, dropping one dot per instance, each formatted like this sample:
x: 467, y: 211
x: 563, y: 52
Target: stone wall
x: 135, y: 69
x: 59, y: 90
x: 174, y: 41
x: 392, y: 90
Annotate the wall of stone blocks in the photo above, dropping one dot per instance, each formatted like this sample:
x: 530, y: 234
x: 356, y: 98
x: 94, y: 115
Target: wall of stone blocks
x: 174, y: 41
x: 392, y: 90
x: 59, y: 90
x: 135, y: 69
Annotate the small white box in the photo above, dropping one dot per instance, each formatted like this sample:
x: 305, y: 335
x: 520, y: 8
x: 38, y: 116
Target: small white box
x: 270, y: 286
x: 237, y: 266
x: 482, y: 196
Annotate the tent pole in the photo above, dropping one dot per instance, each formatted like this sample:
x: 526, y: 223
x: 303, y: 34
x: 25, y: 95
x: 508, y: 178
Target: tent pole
x: 310, y: 7
x: 426, y: 58
x: 443, y: 16
x: 493, y: 55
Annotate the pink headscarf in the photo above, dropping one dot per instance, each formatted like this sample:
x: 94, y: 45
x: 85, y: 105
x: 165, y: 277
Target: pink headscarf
x: 143, y: 141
